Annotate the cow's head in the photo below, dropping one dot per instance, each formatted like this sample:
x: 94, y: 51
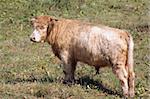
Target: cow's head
x: 42, y: 26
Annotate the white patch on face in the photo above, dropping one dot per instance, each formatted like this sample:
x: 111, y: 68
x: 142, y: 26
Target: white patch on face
x: 36, y: 35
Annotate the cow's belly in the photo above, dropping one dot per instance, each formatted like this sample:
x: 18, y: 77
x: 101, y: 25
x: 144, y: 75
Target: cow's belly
x: 90, y: 58
x: 99, y: 63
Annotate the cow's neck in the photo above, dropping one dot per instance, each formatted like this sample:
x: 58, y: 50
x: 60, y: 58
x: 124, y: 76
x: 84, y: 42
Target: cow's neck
x: 51, y: 39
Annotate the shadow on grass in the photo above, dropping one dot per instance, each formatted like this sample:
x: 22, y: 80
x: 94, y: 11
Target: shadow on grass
x: 31, y: 79
x: 87, y: 81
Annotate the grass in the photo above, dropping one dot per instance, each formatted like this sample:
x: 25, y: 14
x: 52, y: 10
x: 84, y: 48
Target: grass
x: 29, y: 70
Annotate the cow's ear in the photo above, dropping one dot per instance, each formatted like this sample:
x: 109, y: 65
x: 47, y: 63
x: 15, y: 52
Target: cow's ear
x: 50, y: 25
x: 53, y: 19
x: 51, y: 22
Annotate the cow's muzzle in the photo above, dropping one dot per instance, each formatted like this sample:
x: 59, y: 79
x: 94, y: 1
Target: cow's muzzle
x: 32, y: 39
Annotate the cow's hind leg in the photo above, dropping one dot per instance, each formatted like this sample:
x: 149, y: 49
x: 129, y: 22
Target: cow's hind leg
x: 122, y: 74
x: 97, y: 70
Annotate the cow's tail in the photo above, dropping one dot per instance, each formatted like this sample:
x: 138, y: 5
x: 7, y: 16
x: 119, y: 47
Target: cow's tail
x: 129, y: 65
x: 130, y: 54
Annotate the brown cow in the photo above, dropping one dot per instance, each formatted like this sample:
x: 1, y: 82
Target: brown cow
x: 99, y: 46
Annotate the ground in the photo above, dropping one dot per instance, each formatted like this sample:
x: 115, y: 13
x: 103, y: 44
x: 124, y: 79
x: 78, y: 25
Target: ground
x: 30, y: 70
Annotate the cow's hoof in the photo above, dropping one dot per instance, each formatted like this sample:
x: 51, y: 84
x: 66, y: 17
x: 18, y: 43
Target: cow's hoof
x: 69, y: 82
x: 97, y: 73
x: 125, y: 95
x: 131, y: 94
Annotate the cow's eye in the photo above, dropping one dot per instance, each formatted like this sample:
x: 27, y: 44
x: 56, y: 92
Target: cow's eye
x: 41, y: 27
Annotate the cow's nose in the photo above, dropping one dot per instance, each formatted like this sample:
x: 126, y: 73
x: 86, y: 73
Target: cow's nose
x: 32, y: 39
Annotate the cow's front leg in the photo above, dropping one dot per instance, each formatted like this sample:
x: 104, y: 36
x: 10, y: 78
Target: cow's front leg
x: 69, y: 66
x: 68, y: 70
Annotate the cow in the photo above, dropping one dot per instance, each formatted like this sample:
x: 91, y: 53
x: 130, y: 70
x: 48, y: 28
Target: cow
x: 75, y: 41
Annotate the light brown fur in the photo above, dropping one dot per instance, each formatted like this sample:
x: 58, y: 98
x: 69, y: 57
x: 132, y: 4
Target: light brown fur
x: 99, y: 46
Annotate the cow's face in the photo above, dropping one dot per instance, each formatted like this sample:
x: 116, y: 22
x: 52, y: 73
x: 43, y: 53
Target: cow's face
x: 41, y: 26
